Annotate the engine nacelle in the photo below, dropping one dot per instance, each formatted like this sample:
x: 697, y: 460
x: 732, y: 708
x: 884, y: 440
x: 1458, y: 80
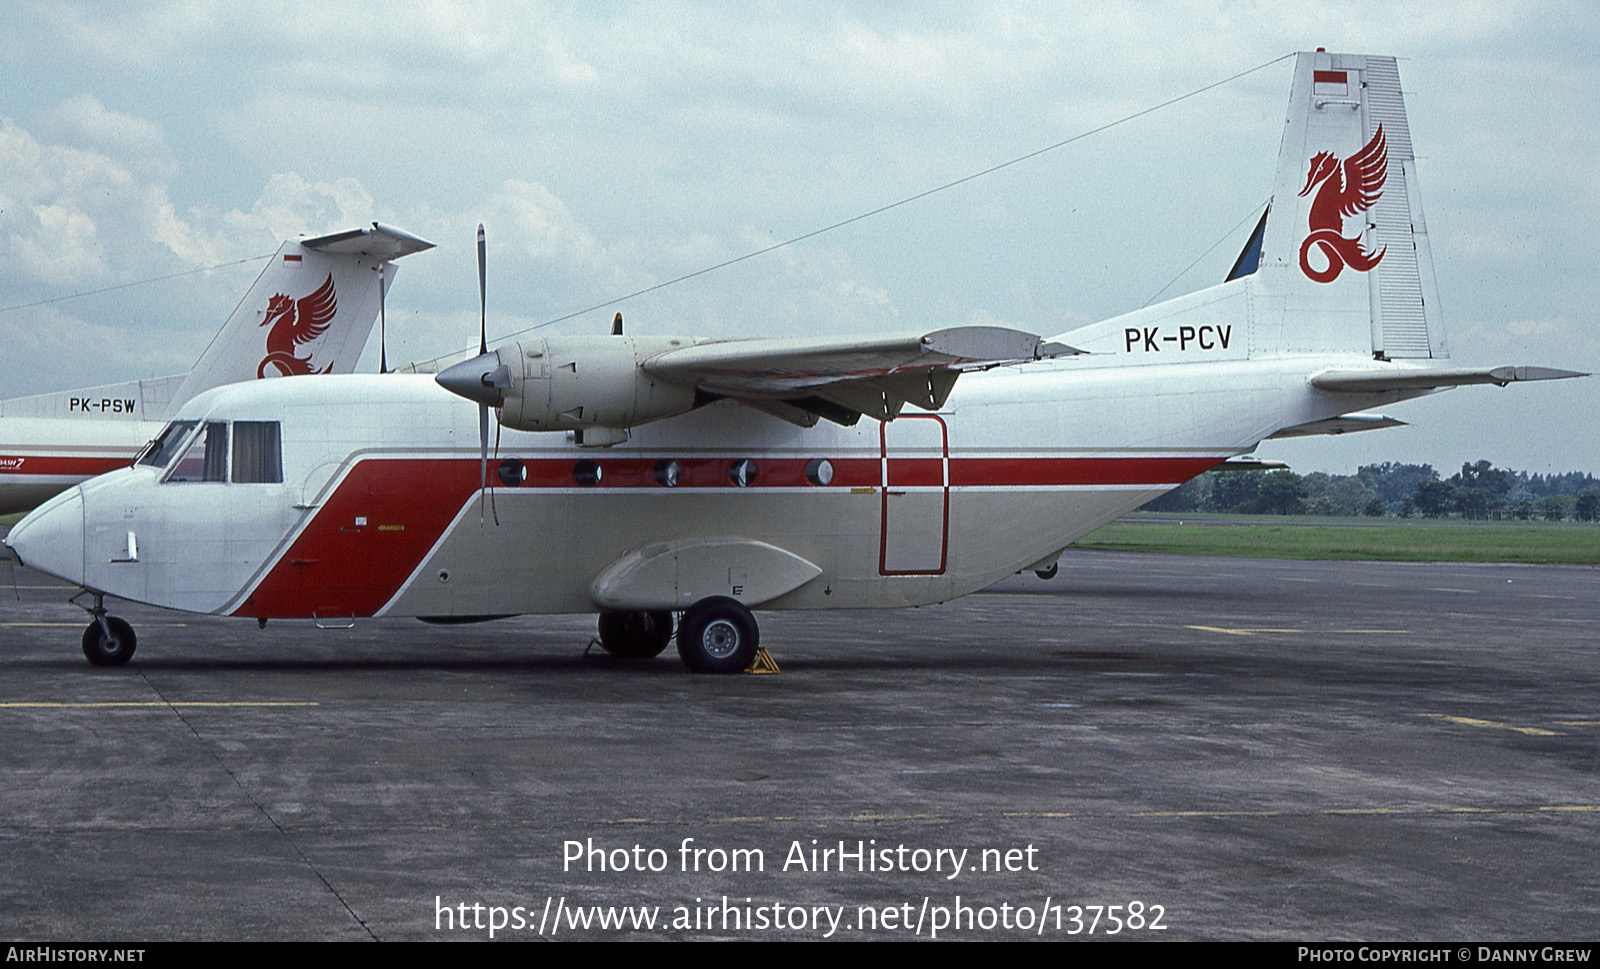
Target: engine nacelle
x: 573, y: 383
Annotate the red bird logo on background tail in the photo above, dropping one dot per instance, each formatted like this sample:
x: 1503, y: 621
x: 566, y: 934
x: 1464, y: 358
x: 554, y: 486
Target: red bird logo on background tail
x: 1359, y: 185
x: 295, y: 322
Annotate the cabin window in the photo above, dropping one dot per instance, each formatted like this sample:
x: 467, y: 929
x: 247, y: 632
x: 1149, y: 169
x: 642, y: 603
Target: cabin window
x: 207, y: 458
x: 159, y: 452
x: 257, y: 452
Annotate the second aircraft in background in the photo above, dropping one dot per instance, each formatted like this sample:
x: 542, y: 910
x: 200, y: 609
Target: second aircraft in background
x: 310, y: 311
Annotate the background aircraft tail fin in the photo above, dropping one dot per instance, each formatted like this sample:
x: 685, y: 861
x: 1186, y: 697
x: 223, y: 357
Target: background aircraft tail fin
x: 309, y: 312
x: 1346, y: 248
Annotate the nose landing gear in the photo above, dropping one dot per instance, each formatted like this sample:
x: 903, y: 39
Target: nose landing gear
x: 109, y: 645
x: 107, y: 640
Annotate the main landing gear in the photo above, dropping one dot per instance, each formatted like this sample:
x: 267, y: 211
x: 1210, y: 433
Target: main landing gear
x: 107, y: 640
x: 716, y: 635
x: 635, y: 635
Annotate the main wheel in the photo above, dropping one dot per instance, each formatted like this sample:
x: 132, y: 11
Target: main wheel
x: 113, y: 650
x: 635, y: 635
x: 718, y: 635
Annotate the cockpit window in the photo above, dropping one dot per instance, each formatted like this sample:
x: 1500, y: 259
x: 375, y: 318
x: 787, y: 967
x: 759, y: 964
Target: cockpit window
x: 207, y: 458
x: 257, y: 452
x: 162, y: 450
x: 203, y: 455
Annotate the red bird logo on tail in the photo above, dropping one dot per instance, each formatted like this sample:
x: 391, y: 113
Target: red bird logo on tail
x: 295, y: 322
x: 1359, y: 184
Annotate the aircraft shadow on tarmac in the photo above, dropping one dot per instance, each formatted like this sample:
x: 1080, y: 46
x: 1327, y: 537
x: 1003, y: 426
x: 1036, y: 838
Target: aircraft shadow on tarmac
x: 541, y: 664
x: 1160, y: 661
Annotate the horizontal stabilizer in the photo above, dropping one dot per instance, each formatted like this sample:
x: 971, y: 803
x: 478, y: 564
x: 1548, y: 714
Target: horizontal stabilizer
x: 130, y: 400
x: 1407, y: 378
x: 378, y: 242
x: 1344, y: 424
x: 1251, y: 464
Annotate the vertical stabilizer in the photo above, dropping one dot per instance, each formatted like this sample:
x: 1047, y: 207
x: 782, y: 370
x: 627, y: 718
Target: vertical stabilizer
x: 310, y: 311
x: 1346, y: 248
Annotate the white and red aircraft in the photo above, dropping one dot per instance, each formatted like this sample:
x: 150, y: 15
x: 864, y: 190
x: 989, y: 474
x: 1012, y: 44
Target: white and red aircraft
x: 310, y: 311
x: 639, y: 477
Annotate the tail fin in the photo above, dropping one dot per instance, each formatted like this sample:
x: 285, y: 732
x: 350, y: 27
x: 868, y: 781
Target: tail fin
x: 1340, y: 265
x: 310, y: 311
x: 1346, y: 247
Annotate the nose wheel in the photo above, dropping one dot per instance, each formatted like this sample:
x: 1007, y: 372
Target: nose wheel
x: 108, y: 641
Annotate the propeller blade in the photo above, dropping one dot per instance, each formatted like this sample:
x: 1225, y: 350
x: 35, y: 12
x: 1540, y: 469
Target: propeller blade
x: 383, y: 325
x: 483, y: 379
x: 483, y: 457
x: 483, y: 300
x: 483, y: 351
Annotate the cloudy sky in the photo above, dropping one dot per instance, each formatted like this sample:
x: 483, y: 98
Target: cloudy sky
x: 612, y: 146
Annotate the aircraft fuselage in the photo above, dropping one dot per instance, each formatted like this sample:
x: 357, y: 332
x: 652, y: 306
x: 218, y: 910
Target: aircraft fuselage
x: 378, y: 510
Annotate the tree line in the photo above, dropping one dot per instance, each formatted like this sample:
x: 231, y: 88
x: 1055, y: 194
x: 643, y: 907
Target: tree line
x: 1479, y: 491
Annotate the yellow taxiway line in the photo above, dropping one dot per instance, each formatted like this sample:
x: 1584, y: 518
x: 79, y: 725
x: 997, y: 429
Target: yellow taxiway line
x: 160, y: 703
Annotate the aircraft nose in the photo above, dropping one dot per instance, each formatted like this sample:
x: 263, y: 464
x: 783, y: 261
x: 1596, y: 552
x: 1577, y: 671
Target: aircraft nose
x: 50, y: 539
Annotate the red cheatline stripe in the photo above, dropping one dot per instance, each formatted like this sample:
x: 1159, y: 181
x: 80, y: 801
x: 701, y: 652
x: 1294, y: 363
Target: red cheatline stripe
x: 48, y: 464
x: 1077, y: 471
x: 692, y: 472
x: 859, y: 472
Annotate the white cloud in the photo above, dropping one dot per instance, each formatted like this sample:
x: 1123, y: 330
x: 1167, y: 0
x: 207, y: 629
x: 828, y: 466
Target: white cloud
x: 66, y: 209
x: 539, y: 226
x: 64, y: 243
x: 1547, y: 327
x: 291, y: 206
x: 135, y: 142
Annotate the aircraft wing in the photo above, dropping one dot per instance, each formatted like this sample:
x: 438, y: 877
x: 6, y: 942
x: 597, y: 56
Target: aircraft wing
x: 1367, y: 381
x: 842, y: 379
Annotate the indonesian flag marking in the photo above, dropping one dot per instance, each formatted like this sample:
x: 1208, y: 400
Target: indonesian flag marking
x: 1336, y: 83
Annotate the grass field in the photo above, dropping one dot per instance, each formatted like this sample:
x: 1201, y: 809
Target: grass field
x: 1269, y: 537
